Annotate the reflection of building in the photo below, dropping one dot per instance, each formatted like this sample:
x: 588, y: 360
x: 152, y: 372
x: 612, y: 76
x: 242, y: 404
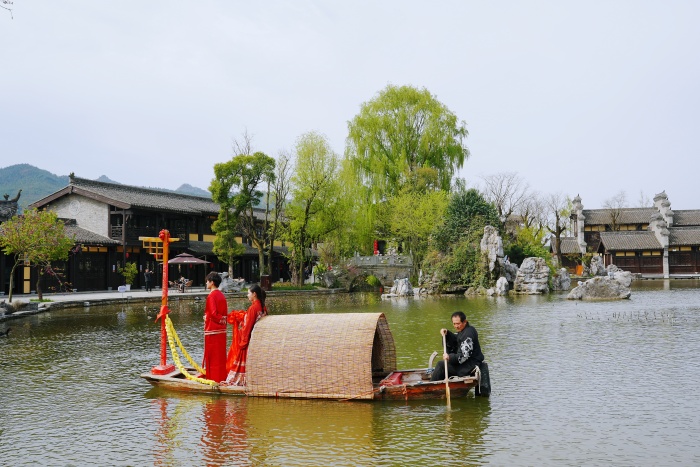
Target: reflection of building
x: 107, y: 220
x: 654, y: 242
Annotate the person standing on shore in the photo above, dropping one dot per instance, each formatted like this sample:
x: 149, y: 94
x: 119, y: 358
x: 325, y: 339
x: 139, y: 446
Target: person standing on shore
x: 148, y: 279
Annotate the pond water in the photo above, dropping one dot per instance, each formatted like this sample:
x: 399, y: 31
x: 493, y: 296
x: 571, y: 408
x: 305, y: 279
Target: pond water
x: 574, y: 383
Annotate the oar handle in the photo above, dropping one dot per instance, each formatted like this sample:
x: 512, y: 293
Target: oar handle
x: 447, y: 384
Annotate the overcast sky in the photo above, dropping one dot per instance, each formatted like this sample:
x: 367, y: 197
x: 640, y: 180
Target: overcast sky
x: 586, y: 98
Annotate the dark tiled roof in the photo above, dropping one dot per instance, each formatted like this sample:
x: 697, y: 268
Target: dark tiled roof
x: 627, y: 216
x: 569, y: 245
x: 86, y: 237
x: 201, y: 248
x: 207, y: 248
x: 632, y: 240
x: 145, y: 198
x: 686, y: 217
x: 684, y: 236
x: 128, y: 197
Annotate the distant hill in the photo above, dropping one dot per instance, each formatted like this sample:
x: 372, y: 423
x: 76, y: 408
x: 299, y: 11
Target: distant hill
x: 37, y: 183
x: 106, y: 179
x: 193, y: 190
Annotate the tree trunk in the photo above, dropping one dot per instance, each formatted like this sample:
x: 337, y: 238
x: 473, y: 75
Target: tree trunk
x: 261, y: 260
x: 12, y: 280
x: 39, y: 293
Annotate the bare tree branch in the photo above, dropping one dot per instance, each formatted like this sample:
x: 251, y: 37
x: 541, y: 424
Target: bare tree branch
x: 615, y: 205
x: 3, y: 4
x: 558, y: 210
x: 644, y: 201
x: 507, y: 191
x: 244, y: 146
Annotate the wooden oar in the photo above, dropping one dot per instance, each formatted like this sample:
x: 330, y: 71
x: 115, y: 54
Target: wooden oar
x: 447, y: 384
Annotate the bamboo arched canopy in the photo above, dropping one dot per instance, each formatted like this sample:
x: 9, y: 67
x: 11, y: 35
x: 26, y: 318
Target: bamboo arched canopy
x: 329, y: 356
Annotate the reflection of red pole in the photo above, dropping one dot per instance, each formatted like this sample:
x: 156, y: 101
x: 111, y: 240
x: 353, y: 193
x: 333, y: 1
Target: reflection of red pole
x: 164, y: 368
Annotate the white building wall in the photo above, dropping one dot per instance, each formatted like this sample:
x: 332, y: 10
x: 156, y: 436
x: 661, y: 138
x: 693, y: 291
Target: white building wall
x: 90, y: 214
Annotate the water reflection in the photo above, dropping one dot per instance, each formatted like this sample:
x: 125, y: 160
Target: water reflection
x: 574, y: 383
x: 257, y: 431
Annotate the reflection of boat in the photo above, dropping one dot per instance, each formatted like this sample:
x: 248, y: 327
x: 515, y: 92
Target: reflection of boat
x: 324, y: 356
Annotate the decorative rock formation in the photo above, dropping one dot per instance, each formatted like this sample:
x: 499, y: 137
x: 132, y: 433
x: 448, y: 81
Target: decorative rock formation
x: 501, y: 286
x: 510, y: 271
x: 498, y: 266
x: 492, y: 247
x: 401, y: 288
x: 230, y: 285
x: 612, y: 287
x: 429, y: 283
x: 596, y: 267
x: 532, y: 277
x: 561, y: 280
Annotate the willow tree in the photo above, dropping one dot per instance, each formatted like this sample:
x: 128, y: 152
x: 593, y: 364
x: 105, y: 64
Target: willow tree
x: 314, y: 194
x: 400, y: 131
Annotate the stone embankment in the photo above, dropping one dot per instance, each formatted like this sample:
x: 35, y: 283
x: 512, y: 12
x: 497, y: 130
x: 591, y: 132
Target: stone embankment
x: 21, y: 305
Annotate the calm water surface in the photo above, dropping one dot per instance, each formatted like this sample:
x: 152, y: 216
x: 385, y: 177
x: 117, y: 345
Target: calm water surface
x: 574, y: 384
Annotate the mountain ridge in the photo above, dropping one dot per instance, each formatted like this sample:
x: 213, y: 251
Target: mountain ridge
x: 37, y: 183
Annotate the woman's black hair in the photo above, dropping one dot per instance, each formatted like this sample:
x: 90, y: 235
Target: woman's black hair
x: 257, y: 290
x: 215, y: 278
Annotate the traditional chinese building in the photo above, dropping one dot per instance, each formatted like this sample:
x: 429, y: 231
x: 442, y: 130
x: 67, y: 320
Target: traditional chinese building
x: 107, y: 220
x: 653, y: 242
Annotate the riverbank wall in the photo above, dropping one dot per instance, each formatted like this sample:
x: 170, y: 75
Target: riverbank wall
x: 96, y: 299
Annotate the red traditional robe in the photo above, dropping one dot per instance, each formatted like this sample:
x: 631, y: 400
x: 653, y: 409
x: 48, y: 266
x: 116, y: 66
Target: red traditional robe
x: 243, y: 322
x: 214, y: 360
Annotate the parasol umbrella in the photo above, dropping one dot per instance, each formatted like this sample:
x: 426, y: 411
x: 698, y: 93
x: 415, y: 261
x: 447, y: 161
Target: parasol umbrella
x: 186, y: 258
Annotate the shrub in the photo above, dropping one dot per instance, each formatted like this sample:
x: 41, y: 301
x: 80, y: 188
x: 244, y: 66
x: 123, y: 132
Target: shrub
x: 372, y: 281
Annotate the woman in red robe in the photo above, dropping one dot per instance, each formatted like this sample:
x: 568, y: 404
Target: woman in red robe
x: 243, y: 322
x: 215, y: 312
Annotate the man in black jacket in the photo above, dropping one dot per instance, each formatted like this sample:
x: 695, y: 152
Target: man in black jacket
x: 463, y: 349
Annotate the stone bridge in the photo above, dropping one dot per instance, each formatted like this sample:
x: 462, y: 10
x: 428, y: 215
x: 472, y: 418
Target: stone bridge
x: 385, y: 268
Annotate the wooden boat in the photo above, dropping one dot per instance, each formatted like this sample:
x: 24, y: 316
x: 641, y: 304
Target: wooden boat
x: 346, y: 356
x: 414, y: 384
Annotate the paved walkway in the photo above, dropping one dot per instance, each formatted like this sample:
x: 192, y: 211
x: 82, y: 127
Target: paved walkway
x: 94, y: 298
x: 105, y: 297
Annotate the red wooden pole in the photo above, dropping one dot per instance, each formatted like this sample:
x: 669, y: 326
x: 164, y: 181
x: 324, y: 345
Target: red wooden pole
x: 164, y: 367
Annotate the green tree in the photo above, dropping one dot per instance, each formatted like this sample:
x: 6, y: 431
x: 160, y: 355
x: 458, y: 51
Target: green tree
x: 312, y: 211
x: 456, y: 249
x: 237, y: 189
x: 529, y: 242
x: 412, y: 216
x: 38, y: 237
x: 464, y: 207
x: 278, y: 190
x: 129, y: 272
x: 397, y: 133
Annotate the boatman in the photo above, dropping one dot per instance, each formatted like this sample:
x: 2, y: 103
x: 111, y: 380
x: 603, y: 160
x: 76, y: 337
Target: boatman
x: 463, y: 349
